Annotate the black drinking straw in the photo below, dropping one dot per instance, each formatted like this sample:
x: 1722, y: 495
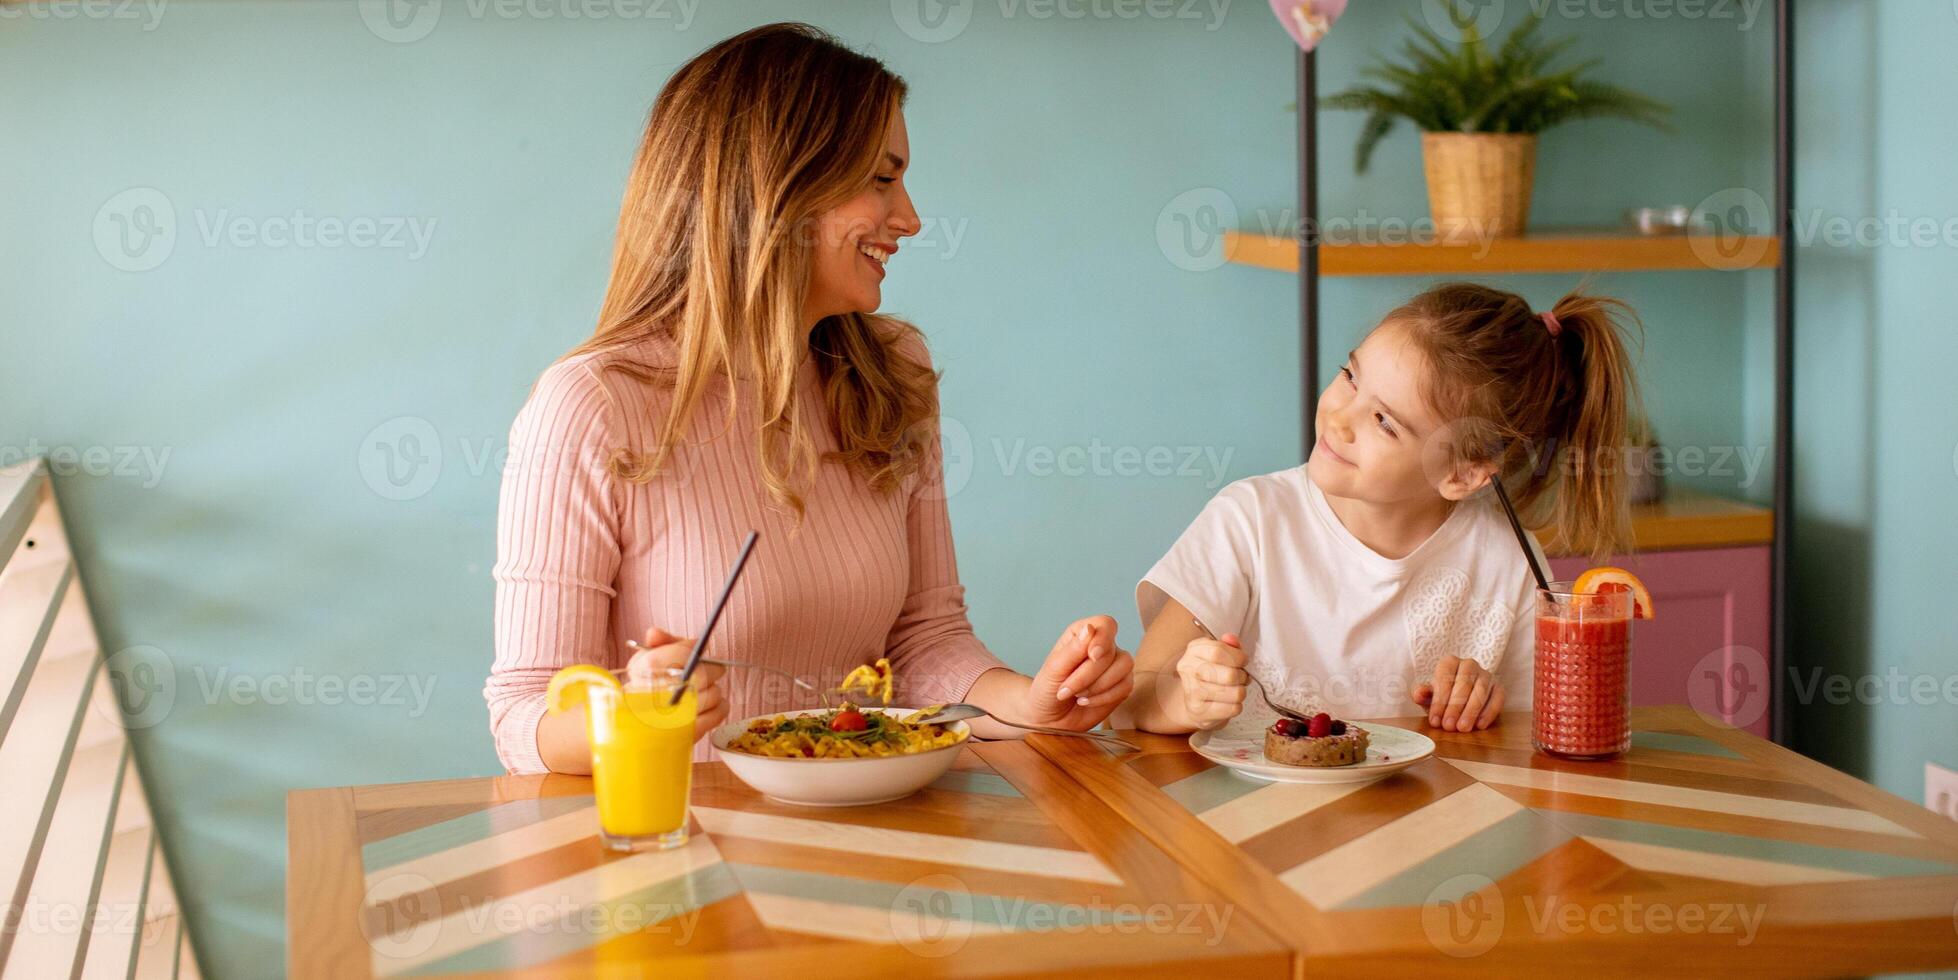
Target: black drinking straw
x: 714, y: 618
x: 1517, y: 526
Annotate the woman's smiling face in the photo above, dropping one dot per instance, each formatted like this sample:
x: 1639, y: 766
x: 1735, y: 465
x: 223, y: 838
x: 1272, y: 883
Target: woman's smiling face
x: 855, y: 239
x: 1376, y: 431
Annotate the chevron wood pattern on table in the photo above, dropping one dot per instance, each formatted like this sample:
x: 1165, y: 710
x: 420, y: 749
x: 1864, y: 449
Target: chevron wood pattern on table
x: 1003, y: 865
x: 1702, y: 846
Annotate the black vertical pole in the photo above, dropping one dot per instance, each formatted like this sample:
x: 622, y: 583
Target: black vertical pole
x: 1308, y: 242
x: 1784, y: 362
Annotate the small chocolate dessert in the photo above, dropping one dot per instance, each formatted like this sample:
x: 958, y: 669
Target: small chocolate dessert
x: 1322, y: 742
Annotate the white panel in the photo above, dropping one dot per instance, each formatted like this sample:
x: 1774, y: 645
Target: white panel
x: 186, y: 959
x: 48, y: 937
x: 119, y: 917
x: 29, y: 599
x: 32, y: 758
x: 74, y: 628
x: 161, y: 901
x: 20, y: 493
x: 156, y: 949
x: 78, y: 849
x: 134, y: 810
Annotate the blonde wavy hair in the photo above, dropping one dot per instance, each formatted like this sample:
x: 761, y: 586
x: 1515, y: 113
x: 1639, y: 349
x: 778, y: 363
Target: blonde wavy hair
x: 745, y: 149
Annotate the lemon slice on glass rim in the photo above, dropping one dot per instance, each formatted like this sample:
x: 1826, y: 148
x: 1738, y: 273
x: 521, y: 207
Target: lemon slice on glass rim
x: 1610, y: 578
x: 571, y: 687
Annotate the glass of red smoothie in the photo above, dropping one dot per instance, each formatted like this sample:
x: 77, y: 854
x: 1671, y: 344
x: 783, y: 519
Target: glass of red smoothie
x: 1583, y: 670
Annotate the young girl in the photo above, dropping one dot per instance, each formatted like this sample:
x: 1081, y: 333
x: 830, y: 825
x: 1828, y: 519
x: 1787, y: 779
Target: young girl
x: 1384, y: 572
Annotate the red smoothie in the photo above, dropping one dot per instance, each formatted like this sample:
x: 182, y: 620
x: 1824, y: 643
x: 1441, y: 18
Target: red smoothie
x: 1582, y: 670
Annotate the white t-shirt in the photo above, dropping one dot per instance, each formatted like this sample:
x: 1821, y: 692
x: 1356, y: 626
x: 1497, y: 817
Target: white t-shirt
x: 1332, y: 625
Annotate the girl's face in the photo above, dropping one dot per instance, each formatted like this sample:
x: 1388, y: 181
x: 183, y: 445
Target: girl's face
x: 854, y: 240
x: 1378, y: 439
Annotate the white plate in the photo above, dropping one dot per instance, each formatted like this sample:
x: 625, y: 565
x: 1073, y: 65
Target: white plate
x: 1389, y: 750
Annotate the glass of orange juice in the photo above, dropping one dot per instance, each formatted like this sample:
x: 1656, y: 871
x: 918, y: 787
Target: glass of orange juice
x: 642, y: 760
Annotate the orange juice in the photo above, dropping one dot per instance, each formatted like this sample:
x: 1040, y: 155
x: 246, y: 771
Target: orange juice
x: 642, y: 762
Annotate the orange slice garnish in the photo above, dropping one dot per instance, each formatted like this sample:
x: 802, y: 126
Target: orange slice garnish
x: 571, y: 687
x: 1610, y: 578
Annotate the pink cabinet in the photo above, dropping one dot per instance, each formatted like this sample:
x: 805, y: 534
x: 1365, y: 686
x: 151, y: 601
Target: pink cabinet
x: 1708, y: 647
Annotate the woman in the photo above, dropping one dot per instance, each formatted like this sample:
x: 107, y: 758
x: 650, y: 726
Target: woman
x: 739, y: 379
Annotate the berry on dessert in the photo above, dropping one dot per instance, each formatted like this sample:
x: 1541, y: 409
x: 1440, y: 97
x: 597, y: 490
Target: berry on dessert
x: 1322, y: 741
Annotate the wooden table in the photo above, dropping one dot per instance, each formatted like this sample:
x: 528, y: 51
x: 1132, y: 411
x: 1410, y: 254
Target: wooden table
x: 1704, y: 848
x: 1003, y: 866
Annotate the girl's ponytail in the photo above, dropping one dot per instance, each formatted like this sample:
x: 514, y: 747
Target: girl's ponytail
x: 1587, y: 431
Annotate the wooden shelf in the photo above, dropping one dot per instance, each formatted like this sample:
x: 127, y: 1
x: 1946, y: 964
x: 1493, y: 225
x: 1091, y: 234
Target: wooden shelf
x: 1576, y: 250
x: 1689, y: 519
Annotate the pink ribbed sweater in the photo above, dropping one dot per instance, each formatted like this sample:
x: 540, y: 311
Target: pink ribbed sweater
x: 586, y: 560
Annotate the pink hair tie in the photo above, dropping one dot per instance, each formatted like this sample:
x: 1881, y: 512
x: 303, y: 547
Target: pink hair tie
x: 1550, y: 323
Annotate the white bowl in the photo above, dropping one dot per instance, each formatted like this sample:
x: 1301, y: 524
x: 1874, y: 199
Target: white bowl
x: 836, y: 782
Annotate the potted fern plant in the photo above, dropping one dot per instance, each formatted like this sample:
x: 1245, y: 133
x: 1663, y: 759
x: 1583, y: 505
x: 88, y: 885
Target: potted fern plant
x: 1479, y: 115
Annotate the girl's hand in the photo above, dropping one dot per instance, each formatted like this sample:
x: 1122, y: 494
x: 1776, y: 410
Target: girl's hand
x: 1469, y: 698
x: 1084, y: 679
x: 660, y: 650
x: 1213, y: 680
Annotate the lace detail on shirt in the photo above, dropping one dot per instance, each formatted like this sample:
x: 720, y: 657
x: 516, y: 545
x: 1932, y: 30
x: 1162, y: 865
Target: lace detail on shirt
x: 1442, y: 621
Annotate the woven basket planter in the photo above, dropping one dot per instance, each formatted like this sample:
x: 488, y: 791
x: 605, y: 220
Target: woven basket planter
x: 1479, y: 183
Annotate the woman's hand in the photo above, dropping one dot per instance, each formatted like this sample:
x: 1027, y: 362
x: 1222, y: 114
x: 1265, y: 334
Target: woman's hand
x: 1212, y: 678
x: 661, y: 649
x: 1469, y: 696
x: 1085, y: 678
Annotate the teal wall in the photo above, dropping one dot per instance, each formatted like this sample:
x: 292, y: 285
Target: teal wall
x: 1061, y: 162
x: 1877, y: 438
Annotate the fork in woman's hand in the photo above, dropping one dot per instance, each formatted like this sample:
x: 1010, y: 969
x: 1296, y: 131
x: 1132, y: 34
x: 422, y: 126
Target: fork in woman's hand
x: 792, y: 679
